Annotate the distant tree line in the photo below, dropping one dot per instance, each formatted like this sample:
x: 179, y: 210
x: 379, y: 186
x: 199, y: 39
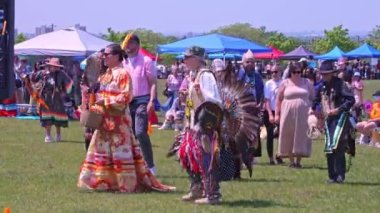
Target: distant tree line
x: 337, y: 36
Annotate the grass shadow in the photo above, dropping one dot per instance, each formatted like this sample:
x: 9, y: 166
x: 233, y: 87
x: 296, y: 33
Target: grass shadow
x: 172, y: 177
x: 268, y: 164
x: 314, y: 167
x: 176, y: 192
x: 360, y: 183
x: 264, y: 180
x: 71, y: 141
x: 118, y: 193
x: 253, y: 203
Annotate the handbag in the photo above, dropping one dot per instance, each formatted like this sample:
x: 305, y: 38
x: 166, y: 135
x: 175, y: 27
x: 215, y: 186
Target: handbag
x: 91, y: 119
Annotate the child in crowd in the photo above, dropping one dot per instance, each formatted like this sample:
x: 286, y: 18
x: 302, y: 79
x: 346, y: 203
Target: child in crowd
x: 174, y: 117
x: 372, y: 126
x: 69, y: 104
x: 357, y: 87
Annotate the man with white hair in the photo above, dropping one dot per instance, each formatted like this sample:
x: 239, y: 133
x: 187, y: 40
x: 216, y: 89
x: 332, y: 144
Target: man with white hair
x: 218, y: 65
x: 247, y: 73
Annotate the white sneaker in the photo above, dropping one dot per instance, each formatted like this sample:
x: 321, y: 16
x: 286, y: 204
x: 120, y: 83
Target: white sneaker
x: 48, y: 139
x: 364, y: 139
x: 58, y: 138
x: 153, y: 171
x: 206, y: 201
x: 255, y: 160
x: 165, y: 127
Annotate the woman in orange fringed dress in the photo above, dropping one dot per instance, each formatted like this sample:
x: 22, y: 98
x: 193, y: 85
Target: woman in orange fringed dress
x: 114, y: 161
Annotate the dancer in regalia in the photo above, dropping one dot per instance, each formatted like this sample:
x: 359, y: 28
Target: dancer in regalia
x: 55, y: 83
x: 209, y: 109
x: 114, y: 160
x: 335, y: 100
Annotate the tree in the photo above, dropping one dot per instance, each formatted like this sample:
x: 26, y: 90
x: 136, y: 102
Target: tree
x: 283, y: 43
x: 148, y: 39
x: 113, y: 36
x: 167, y: 59
x: 20, y: 38
x: 338, y: 36
x: 245, y: 30
x: 260, y: 35
x: 374, y: 37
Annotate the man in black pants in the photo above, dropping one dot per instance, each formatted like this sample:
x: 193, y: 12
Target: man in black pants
x: 336, y: 101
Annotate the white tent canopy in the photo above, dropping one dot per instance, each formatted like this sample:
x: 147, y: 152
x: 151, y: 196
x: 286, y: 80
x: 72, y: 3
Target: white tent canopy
x: 66, y: 42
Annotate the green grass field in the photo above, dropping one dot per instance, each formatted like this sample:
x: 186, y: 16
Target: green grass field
x: 39, y: 177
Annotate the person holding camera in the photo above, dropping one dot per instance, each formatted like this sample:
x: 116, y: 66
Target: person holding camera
x: 21, y: 69
x: 89, y: 84
x: 173, y: 84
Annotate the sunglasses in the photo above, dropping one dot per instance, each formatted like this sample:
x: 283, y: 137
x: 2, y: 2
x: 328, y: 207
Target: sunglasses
x: 274, y: 72
x: 297, y: 72
x: 107, y: 54
x: 188, y: 56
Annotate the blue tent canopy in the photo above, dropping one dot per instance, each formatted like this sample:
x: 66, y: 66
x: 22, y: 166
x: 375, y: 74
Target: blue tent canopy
x: 334, y: 54
x: 213, y: 43
x: 226, y: 56
x: 364, y: 51
x: 229, y: 56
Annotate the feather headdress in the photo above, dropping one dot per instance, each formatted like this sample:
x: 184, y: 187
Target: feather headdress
x: 126, y: 40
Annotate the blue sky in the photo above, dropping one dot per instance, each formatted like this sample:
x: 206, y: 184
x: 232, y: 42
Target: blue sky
x: 178, y: 16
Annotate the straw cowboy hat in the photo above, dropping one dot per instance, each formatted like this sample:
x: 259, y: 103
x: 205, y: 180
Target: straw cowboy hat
x: 54, y: 62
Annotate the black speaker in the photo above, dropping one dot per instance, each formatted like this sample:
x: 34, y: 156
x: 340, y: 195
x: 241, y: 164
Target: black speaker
x: 7, y: 26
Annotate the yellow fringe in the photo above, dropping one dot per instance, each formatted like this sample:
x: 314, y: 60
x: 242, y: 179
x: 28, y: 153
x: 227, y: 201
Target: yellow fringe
x: 126, y: 40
